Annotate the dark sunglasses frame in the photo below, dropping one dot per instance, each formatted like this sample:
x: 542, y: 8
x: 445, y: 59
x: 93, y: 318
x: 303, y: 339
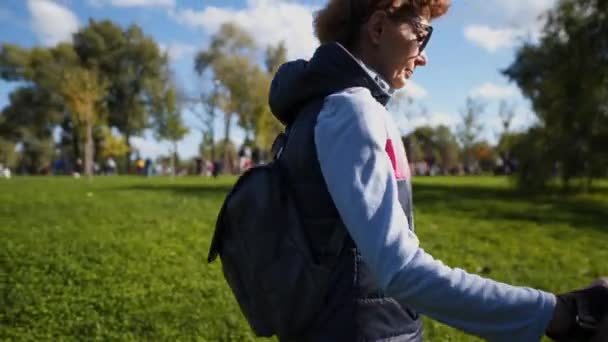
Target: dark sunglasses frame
x: 417, y: 25
x: 428, y: 29
x: 399, y: 16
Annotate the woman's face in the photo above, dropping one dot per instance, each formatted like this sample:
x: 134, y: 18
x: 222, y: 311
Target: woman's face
x: 398, y: 49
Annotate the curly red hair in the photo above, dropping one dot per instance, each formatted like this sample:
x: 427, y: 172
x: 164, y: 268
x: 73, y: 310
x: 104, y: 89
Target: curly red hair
x: 336, y: 21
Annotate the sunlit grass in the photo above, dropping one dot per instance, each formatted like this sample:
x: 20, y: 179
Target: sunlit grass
x: 120, y: 258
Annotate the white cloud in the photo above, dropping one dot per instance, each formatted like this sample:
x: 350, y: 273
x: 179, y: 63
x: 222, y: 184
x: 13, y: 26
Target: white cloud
x: 414, y: 90
x: 522, y: 14
x: 178, y: 50
x: 434, y: 119
x: 52, y: 22
x: 147, y: 147
x: 134, y: 3
x: 268, y: 21
x: 503, y: 22
x: 494, y: 91
x: 491, y: 39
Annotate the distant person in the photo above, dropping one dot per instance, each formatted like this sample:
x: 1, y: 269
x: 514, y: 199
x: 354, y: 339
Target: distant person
x: 148, y: 167
x: 159, y: 169
x: 77, y: 168
x: 5, y: 172
x: 207, y: 168
x: 110, y: 166
x: 139, y: 165
x: 59, y: 167
x: 216, y: 168
x: 348, y: 171
x: 199, y: 166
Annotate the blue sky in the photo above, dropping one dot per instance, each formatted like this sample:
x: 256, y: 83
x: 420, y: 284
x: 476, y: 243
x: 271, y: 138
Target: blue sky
x: 470, y: 45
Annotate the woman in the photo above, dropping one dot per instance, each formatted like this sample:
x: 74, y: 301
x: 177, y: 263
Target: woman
x: 349, y: 173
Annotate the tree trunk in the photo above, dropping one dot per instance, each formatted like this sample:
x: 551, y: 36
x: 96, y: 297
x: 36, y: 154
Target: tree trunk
x: 173, y: 158
x: 227, y: 161
x: 75, y: 143
x: 89, y: 150
x: 212, y: 152
x: 127, y: 161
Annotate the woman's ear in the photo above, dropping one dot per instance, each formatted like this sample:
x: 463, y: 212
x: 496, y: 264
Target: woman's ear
x: 375, y: 26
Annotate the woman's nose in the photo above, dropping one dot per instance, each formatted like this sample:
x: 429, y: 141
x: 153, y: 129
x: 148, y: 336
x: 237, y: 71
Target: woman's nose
x: 421, y: 59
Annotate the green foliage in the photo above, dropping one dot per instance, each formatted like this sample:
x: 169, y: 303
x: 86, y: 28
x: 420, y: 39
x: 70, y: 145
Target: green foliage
x: 230, y: 58
x: 536, y: 161
x: 124, y: 258
x: 275, y: 56
x: 130, y: 62
x: 566, y: 78
x: 134, y: 66
x: 470, y: 128
x: 36, y: 153
x: 30, y: 109
x: 111, y: 145
x: 508, y: 141
x: 437, y: 144
x: 8, y: 156
x: 485, y: 156
x: 169, y: 124
x: 242, y: 86
x: 82, y: 89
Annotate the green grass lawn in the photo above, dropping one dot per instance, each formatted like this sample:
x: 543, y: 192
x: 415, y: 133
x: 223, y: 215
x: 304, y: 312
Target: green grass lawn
x: 124, y: 258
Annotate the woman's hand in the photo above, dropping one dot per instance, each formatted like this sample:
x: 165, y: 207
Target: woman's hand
x: 581, y: 315
x: 602, y: 332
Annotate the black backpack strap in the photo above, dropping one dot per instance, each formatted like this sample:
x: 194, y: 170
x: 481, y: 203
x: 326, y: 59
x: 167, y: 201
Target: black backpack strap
x: 278, y: 145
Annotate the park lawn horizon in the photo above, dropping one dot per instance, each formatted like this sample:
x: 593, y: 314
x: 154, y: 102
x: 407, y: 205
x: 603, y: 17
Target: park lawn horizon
x: 124, y: 258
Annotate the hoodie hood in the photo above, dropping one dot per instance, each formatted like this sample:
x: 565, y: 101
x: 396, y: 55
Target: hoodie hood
x: 331, y: 69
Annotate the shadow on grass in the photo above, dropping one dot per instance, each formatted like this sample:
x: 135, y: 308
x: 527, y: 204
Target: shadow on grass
x: 503, y: 203
x: 198, y: 190
x: 481, y: 202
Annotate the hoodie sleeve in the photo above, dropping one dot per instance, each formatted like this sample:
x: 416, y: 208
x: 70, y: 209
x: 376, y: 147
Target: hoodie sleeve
x: 349, y: 138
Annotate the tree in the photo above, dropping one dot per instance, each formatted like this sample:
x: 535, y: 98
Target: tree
x: 82, y: 89
x: 169, y: 125
x: 470, y: 128
x: 209, y: 103
x: 36, y: 153
x: 268, y: 126
x: 448, y: 148
x: 506, y: 113
x: 228, y: 57
x: 8, y: 155
x: 275, y: 57
x: 135, y: 68
x: 232, y: 60
x: 484, y: 155
x: 36, y: 106
x: 437, y: 146
x: 112, y: 146
x: 28, y: 121
x: 565, y: 76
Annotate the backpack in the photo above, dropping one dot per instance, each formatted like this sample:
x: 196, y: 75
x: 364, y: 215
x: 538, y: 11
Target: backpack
x: 266, y: 257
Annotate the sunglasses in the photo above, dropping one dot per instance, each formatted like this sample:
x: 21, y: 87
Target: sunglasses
x: 423, y: 32
x: 422, y: 38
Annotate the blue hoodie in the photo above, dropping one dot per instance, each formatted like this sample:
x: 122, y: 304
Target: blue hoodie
x: 363, y: 163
